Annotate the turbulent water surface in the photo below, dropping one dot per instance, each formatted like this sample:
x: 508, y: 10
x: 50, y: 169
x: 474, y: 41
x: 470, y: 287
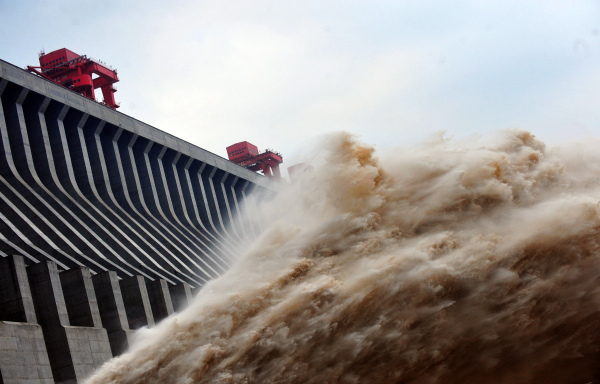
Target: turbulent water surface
x: 446, y: 263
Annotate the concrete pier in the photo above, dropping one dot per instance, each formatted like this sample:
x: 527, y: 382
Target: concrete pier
x: 74, y: 351
x: 80, y: 297
x: 112, y: 311
x: 16, y: 303
x: 160, y: 299
x: 181, y: 296
x: 23, y: 354
x: 62, y: 325
x: 137, y: 302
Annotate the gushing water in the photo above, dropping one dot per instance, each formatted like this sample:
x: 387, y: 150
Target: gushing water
x: 445, y: 263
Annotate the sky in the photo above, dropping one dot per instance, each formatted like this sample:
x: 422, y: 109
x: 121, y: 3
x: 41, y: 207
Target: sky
x: 281, y: 73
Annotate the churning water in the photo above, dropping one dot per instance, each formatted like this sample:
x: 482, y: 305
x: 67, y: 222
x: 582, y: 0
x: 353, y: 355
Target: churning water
x: 446, y: 263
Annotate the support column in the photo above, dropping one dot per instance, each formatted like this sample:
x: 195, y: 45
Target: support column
x: 16, y: 303
x: 196, y: 291
x: 181, y: 296
x: 80, y: 297
x: 23, y: 354
x: 276, y: 172
x: 160, y: 299
x: 137, y: 302
x: 112, y: 311
x: 74, y: 352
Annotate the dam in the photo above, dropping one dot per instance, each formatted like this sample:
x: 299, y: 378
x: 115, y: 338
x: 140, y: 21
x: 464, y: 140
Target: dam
x: 107, y: 224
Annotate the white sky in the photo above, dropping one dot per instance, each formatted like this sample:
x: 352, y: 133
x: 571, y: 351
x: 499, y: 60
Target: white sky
x: 277, y: 73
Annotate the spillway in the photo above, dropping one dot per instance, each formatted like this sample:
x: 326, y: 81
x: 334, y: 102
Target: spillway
x: 106, y: 224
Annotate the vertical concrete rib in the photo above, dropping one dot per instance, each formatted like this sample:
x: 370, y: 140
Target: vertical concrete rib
x: 33, y: 197
x: 146, y: 226
x: 186, y: 196
x: 209, y: 212
x: 160, y: 185
x: 157, y: 194
x: 147, y: 187
x: 203, y: 248
x: 22, y: 248
x: 16, y: 303
x: 228, y: 188
x: 137, y: 302
x: 181, y: 296
x: 39, y: 185
x: 29, y: 172
x: 215, y: 198
x: 23, y: 354
x: 237, y: 216
x: 87, y: 207
x: 84, y: 185
x: 245, y: 218
x: 112, y: 311
x: 230, y: 223
x: 74, y: 352
x: 136, y: 191
x: 160, y: 299
x: 35, y: 235
x: 111, y: 221
x: 51, y: 312
x: 227, y: 251
x: 80, y: 297
x: 111, y: 203
x: 252, y: 212
x: 87, y: 174
x: 214, y: 201
x: 77, y: 145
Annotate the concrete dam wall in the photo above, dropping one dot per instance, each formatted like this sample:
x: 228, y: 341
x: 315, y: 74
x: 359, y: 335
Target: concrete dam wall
x: 106, y: 224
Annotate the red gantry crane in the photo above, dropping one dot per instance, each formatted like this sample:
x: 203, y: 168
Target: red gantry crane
x: 247, y: 156
x: 78, y: 73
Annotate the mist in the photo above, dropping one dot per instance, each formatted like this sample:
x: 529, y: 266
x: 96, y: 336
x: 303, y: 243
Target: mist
x: 447, y: 262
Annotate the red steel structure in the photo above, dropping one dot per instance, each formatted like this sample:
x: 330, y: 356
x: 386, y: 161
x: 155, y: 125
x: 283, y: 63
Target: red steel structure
x: 78, y: 73
x: 246, y: 155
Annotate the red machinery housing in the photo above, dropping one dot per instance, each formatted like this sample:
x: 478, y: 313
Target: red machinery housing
x: 246, y: 155
x: 78, y: 73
